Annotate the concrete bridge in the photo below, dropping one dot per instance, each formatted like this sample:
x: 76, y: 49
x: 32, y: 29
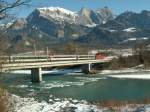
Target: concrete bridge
x: 36, y: 63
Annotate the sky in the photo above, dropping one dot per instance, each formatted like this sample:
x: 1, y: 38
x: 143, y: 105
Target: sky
x: 117, y: 6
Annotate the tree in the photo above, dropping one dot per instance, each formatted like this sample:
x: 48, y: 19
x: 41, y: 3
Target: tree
x: 5, y: 6
x: 70, y: 48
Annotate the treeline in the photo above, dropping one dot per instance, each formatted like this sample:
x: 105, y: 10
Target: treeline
x: 139, y: 57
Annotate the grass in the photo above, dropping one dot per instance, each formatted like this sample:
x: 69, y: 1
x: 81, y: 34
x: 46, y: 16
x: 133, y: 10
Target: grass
x: 3, y: 100
x: 116, y: 105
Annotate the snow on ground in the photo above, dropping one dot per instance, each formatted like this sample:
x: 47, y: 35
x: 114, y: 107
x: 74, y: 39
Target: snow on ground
x: 130, y: 73
x: 68, y: 105
x: 54, y: 105
x: 133, y: 76
x: 121, y: 71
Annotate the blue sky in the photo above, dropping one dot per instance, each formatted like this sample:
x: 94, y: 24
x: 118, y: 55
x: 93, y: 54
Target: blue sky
x: 117, y: 6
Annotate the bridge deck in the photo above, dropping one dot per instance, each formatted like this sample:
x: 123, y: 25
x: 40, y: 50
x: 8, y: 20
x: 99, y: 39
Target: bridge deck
x: 28, y: 62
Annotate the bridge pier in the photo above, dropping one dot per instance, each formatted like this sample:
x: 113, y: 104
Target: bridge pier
x: 86, y: 68
x: 36, y: 75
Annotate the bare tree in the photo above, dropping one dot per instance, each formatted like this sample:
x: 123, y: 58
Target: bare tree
x: 5, y: 6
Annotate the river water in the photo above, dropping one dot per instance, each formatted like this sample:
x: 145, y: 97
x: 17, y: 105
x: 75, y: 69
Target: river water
x: 71, y: 92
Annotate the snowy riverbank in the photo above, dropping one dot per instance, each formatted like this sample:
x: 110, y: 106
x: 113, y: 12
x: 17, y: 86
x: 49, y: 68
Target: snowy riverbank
x: 69, y: 105
x: 129, y: 73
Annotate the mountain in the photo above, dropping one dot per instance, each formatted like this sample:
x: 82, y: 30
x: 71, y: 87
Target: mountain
x: 18, y: 24
x: 130, y: 19
x: 55, y: 26
x: 83, y: 17
x: 127, y: 28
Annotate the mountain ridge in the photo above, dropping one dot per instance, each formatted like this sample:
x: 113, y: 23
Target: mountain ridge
x: 55, y: 26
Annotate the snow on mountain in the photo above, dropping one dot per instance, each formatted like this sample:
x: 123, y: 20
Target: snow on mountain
x: 56, y: 9
x: 84, y: 17
x: 132, y: 29
x: 113, y: 30
x: 134, y: 39
x: 91, y: 25
x: 7, y: 25
x: 57, y: 13
x: 144, y: 38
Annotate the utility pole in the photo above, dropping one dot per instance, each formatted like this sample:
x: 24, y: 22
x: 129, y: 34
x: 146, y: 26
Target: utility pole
x: 35, y: 50
x: 47, y: 51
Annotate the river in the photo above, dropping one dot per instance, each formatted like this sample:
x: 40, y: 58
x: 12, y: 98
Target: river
x: 66, y: 91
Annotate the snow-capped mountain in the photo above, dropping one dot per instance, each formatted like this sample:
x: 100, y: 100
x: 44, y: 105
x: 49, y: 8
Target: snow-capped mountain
x: 52, y: 26
x: 84, y: 17
x: 57, y: 13
x: 60, y: 22
x: 5, y: 26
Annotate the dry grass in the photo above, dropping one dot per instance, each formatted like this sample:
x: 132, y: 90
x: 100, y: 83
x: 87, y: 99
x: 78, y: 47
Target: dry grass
x: 3, y: 100
x: 119, y: 104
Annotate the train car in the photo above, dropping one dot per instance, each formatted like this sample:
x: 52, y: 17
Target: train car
x: 99, y: 56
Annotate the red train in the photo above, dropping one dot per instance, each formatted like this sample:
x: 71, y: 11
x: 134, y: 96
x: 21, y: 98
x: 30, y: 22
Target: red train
x: 99, y: 56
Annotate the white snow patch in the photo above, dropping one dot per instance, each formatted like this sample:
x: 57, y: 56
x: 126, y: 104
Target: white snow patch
x: 54, y: 9
x: 129, y: 39
x: 137, y: 73
x: 144, y: 38
x: 27, y: 43
x: 113, y: 30
x: 91, y: 25
x: 132, y: 29
x: 134, y: 39
x: 129, y: 70
x: 31, y: 105
x: 57, y: 13
x: 134, y: 76
x: 68, y: 105
x: 7, y: 25
x: 103, y: 22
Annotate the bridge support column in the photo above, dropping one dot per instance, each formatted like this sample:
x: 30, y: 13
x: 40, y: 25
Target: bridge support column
x: 86, y: 68
x: 36, y: 75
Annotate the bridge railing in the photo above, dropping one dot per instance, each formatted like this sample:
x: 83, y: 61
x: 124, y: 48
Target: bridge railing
x: 44, y: 58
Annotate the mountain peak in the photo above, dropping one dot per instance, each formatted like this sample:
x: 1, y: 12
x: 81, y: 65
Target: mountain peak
x: 60, y: 15
x: 55, y: 9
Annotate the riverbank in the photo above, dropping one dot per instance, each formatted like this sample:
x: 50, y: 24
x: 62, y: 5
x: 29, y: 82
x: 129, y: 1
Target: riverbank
x: 69, y: 105
x: 132, y: 73
x: 114, y: 106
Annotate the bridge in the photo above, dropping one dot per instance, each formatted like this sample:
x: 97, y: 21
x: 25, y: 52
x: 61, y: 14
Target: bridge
x: 36, y: 63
